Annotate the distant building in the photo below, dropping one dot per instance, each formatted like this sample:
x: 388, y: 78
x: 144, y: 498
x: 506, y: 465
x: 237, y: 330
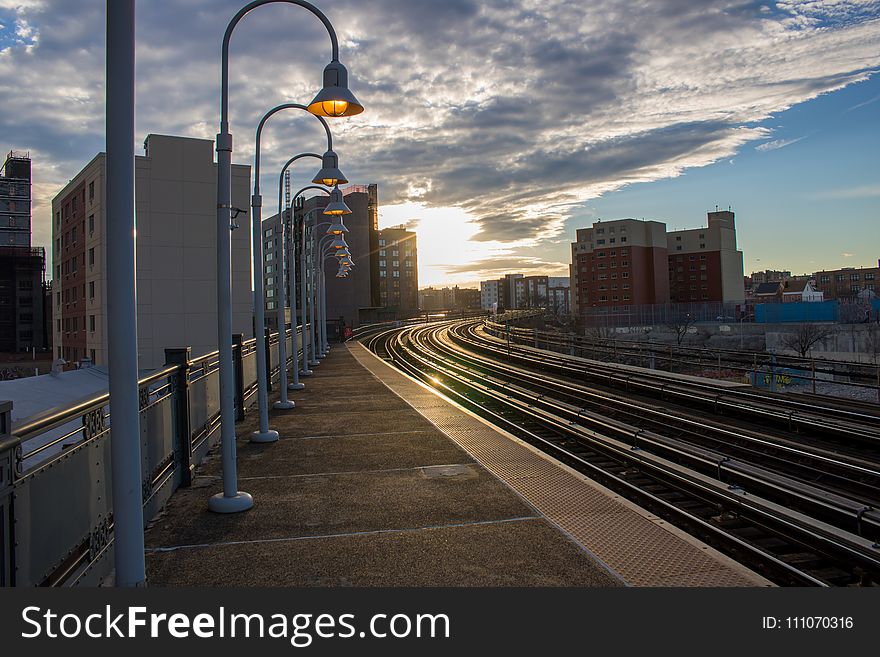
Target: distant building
x: 769, y: 276
x: 22, y: 268
x: 355, y: 298
x: 768, y: 292
x: 621, y: 262
x: 846, y: 283
x: 449, y: 298
x: 628, y: 262
x: 704, y: 263
x: 398, y: 271
x: 793, y: 291
x: 559, y: 295
x: 176, y: 215
x: 490, y: 294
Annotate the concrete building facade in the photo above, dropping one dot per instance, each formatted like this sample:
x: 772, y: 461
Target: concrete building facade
x: 176, y: 217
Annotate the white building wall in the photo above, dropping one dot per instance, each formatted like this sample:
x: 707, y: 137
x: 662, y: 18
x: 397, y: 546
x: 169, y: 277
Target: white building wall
x: 176, y: 216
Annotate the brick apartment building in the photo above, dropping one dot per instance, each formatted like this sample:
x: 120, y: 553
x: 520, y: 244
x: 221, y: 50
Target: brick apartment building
x: 848, y: 282
x: 629, y: 262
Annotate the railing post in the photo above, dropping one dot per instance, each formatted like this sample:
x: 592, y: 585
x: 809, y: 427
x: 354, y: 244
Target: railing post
x: 268, y: 360
x: 9, y: 451
x: 238, y: 367
x: 182, y: 357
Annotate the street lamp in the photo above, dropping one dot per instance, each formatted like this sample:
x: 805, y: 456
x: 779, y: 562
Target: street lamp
x: 333, y: 100
x: 335, y: 228
x: 329, y: 171
x: 283, y: 402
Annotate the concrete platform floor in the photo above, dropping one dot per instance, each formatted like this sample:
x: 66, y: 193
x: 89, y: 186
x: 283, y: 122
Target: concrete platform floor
x: 361, y: 490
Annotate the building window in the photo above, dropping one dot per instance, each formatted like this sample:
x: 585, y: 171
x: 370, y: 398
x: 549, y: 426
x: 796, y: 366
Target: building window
x: 840, y: 278
x: 625, y: 274
x: 395, y: 274
x: 678, y: 238
x: 623, y: 239
x: 702, y: 246
x: 395, y: 263
x: 600, y: 254
x: 381, y: 242
x: 92, y: 352
x: 270, y: 293
x: 91, y: 289
x: 270, y: 305
x: 678, y: 248
x: 869, y: 277
x: 92, y: 323
x: 268, y: 232
x: 92, y: 191
x: 270, y: 256
x: 854, y: 278
x: 270, y: 269
x: 382, y: 273
x: 73, y: 235
x: 600, y: 241
x: 92, y: 257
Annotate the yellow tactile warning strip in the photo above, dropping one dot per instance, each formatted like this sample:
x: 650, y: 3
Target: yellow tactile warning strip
x: 643, y: 549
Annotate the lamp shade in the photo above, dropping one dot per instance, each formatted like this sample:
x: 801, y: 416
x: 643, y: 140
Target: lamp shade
x: 330, y: 175
x: 338, y: 243
x: 335, y: 99
x: 337, y: 205
x: 343, y: 253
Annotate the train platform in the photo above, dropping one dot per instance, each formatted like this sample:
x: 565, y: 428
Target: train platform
x: 379, y: 481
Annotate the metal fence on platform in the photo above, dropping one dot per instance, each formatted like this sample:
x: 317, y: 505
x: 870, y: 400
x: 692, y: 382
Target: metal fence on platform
x: 56, y: 509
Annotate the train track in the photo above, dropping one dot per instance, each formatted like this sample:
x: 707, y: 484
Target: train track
x: 788, y: 500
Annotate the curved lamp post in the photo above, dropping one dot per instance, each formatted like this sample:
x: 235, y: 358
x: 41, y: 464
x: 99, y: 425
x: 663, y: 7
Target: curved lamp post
x: 335, y: 228
x: 264, y: 434
x: 331, y: 244
x: 338, y: 228
x: 329, y: 171
x: 328, y: 250
x: 333, y: 100
x: 284, y: 402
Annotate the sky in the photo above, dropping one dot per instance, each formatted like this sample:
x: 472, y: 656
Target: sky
x: 496, y: 128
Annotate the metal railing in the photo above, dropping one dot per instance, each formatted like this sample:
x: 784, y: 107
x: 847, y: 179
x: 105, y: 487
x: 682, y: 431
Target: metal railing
x: 766, y: 370
x: 56, y: 511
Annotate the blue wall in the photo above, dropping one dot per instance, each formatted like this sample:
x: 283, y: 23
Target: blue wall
x: 802, y: 311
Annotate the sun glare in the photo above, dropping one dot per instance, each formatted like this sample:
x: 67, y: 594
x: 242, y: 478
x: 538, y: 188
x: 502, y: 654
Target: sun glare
x: 444, y: 242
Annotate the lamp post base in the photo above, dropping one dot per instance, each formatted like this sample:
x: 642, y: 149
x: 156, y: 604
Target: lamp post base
x: 305, y: 372
x: 296, y: 386
x: 219, y: 503
x: 283, y: 405
x: 314, y: 362
x: 270, y: 436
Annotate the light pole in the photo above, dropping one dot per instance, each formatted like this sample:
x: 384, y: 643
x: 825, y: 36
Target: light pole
x: 336, y: 208
x: 125, y: 453
x: 328, y: 249
x: 292, y: 283
x: 291, y: 286
x: 334, y: 99
x: 329, y: 170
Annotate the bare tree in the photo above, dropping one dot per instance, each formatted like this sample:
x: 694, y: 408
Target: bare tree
x: 805, y: 336
x: 680, y: 325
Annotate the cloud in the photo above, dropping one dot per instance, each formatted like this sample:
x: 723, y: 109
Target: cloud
x: 848, y: 255
x: 776, y: 144
x: 514, y: 111
x: 862, y: 191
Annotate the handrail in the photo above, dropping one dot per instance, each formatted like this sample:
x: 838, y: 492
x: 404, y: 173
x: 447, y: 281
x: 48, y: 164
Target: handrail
x: 55, y: 417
